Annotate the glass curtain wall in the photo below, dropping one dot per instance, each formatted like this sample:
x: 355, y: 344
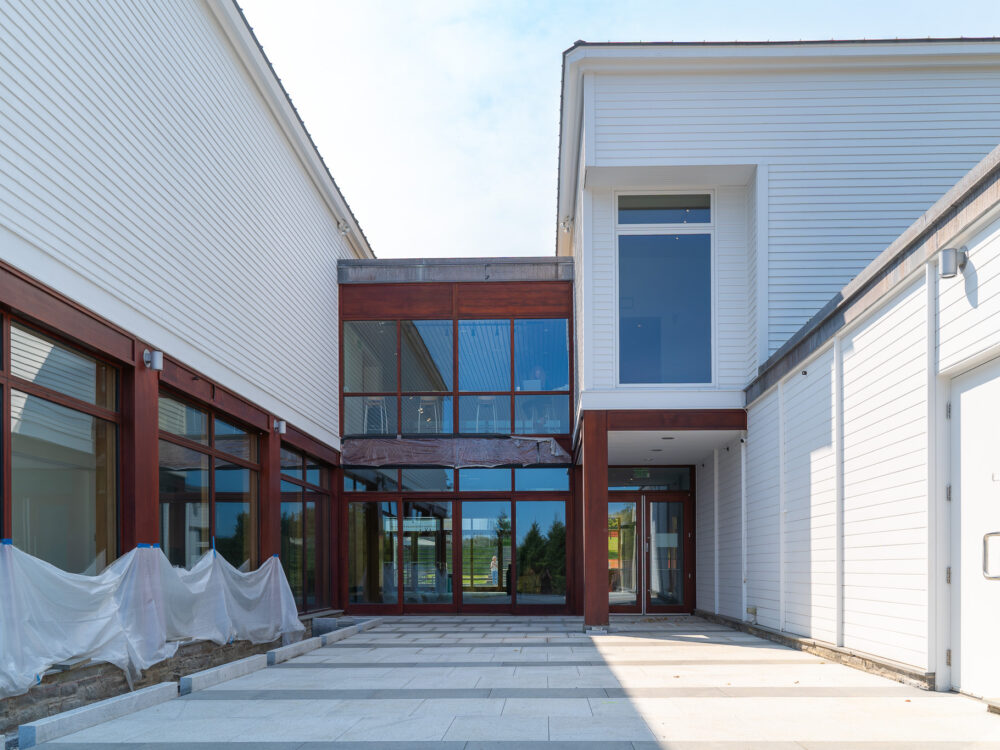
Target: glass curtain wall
x: 209, y: 484
x: 64, y: 456
x: 305, y: 523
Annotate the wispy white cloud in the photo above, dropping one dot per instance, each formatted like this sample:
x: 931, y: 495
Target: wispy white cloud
x: 439, y: 119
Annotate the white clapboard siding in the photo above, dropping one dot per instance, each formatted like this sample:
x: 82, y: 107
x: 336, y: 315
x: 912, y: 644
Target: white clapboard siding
x: 763, y: 534
x: 810, y: 531
x: 704, y: 525
x: 730, y: 292
x: 730, y: 534
x: 731, y: 286
x: 885, y: 481
x: 970, y: 302
x: 752, y: 303
x: 854, y: 156
x: 145, y: 176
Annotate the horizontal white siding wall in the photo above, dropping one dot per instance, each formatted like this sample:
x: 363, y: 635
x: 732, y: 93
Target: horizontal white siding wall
x: 854, y: 156
x: 752, y: 313
x: 143, y: 175
x: 730, y: 293
x: 970, y: 303
x: 704, y: 525
x: 879, y: 401
x: 810, y: 530
x: 762, y: 501
x: 730, y: 524
x: 885, y: 481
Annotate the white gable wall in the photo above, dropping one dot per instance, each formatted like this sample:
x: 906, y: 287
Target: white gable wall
x: 146, y: 177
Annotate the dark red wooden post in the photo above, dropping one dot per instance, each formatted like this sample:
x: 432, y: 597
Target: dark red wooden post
x: 270, y: 493
x: 140, y: 476
x: 595, y: 518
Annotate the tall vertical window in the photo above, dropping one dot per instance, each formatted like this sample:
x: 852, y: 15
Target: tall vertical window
x: 209, y: 485
x: 305, y: 523
x: 64, y: 452
x: 664, y: 290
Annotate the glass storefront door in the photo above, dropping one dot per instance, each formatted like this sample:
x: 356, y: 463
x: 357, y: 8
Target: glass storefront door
x: 427, y: 553
x: 650, y: 552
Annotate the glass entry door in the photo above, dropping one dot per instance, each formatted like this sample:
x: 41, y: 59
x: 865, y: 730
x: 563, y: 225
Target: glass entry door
x: 669, y: 542
x: 487, y: 555
x: 650, y: 552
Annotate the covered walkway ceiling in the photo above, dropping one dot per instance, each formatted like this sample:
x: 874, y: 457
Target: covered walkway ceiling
x: 665, y: 447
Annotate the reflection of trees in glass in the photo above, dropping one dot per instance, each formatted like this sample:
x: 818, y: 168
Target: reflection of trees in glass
x: 541, y: 560
x: 233, y: 547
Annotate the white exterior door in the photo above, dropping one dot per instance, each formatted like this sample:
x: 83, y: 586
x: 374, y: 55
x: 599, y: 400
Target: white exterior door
x: 975, y: 473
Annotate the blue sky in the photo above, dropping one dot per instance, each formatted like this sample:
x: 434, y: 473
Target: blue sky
x: 439, y: 120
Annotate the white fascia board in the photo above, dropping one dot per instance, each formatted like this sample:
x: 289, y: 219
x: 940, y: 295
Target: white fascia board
x: 247, y: 50
x: 661, y: 399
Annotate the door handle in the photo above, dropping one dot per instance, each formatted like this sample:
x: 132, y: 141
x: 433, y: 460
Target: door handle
x: 986, y: 556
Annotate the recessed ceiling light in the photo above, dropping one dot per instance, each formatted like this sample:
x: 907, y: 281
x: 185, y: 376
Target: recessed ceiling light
x: 666, y: 438
x: 656, y: 450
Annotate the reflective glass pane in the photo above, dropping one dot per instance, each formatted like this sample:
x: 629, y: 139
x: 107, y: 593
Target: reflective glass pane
x: 183, y: 420
x: 665, y: 308
x: 236, y: 514
x: 427, y: 552
x: 486, y: 552
x: 484, y: 480
x: 666, y: 559
x: 317, y: 472
x: 485, y: 415
x: 428, y: 480
x: 541, y: 552
x: 370, y: 480
x: 293, y: 542
x: 44, y: 362
x: 372, y: 554
x: 427, y: 360
x: 315, y: 544
x: 649, y: 478
x: 664, y: 209
x: 184, y: 519
x: 541, y: 415
x: 370, y: 415
x: 64, y: 484
x: 235, y: 441
x: 623, y: 570
x: 291, y: 463
x: 427, y: 415
x: 541, y: 355
x: 369, y: 356
x: 542, y: 479
x: 484, y: 355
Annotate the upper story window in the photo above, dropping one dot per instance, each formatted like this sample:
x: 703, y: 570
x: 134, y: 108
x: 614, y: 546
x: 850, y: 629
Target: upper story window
x: 665, y: 289
x: 665, y: 209
x: 477, y: 376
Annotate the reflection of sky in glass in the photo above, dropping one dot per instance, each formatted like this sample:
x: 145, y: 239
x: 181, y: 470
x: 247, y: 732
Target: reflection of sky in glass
x: 542, y: 479
x: 427, y: 359
x: 665, y: 308
x: 428, y: 480
x: 484, y: 355
x: 541, y: 355
x: 542, y: 513
x: 484, y: 480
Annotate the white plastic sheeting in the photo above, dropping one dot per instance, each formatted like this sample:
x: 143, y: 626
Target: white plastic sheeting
x: 134, y: 613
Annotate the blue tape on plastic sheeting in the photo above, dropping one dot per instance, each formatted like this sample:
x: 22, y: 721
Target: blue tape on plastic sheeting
x: 274, y: 555
x: 6, y: 541
x: 156, y: 545
x: 143, y: 545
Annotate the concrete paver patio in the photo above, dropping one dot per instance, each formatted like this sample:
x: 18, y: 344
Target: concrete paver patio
x: 518, y: 683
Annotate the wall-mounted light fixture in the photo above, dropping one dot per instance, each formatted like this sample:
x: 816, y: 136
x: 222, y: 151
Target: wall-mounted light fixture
x: 953, y: 260
x: 280, y: 426
x: 344, y: 227
x: 153, y: 359
x: 566, y: 224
